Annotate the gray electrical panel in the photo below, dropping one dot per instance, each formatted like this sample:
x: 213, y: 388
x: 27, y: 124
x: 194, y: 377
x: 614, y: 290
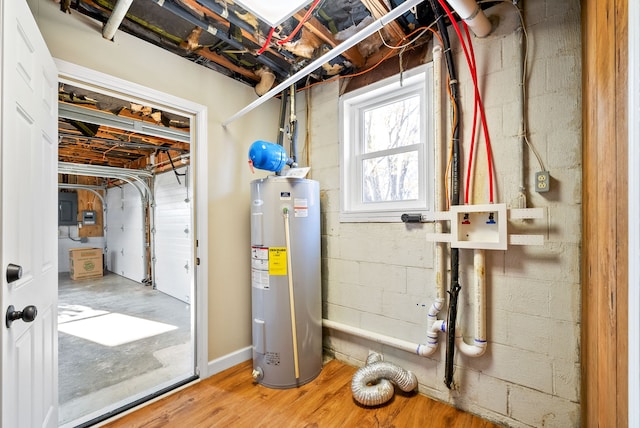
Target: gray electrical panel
x: 89, y: 218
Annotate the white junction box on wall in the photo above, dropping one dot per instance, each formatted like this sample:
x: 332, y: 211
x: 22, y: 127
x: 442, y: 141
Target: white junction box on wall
x: 483, y: 227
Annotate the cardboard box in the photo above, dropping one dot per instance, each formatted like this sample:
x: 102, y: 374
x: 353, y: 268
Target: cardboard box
x: 85, y: 263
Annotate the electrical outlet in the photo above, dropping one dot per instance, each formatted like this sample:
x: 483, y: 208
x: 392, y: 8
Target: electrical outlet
x: 543, y: 181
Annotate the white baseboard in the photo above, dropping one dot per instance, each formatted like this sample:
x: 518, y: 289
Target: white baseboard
x: 229, y: 360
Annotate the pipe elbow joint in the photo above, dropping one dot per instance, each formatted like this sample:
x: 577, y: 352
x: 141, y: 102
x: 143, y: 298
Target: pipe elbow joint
x: 436, y: 307
x: 438, y: 326
x: 476, y: 350
x: 427, y: 349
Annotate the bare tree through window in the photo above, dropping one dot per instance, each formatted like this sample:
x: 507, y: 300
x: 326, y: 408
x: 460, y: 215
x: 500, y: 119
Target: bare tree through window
x: 391, y: 134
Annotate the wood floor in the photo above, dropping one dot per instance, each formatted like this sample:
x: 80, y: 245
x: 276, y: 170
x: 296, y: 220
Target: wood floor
x: 231, y: 399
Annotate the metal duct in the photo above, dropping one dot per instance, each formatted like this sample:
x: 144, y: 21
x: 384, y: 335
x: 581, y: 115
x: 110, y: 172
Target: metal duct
x: 372, y: 385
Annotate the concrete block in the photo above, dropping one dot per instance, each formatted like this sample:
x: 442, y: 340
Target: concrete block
x: 548, y: 410
x: 534, y: 12
x: 551, y: 262
x: 499, y: 88
x: 566, y: 380
x: 421, y: 282
x: 557, y: 35
x: 564, y: 301
x: 403, y: 330
x: 497, y: 327
x: 342, y: 314
x: 365, y: 299
x: 391, y: 278
x: 330, y: 246
x: 330, y: 224
x: 326, y: 156
x: 329, y: 199
x: 552, y: 111
x: 528, y: 297
x: 564, y: 73
x: 519, y: 366
x: 344, y: 271
x: 530, y: 333
x: 480, y: 392
x: 564, y: 147
x: 565, y: 223
x: 405, y: 307
x: 564, y: 341
x: 562, y: 8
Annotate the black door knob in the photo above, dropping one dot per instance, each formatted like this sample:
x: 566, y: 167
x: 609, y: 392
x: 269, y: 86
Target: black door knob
x: 14, y: 272
x: 28, y: 314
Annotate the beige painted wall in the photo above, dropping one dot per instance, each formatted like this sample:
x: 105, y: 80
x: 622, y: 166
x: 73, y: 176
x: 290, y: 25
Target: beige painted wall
x: 77, y: 39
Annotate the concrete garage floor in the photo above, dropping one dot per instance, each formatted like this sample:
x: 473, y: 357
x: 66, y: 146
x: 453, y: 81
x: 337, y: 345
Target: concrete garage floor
x: 104, y: 358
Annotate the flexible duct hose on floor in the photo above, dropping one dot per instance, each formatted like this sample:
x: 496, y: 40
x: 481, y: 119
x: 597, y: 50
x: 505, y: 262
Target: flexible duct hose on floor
x: 372, y: 385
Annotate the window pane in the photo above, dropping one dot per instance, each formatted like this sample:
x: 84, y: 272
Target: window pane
x: 392, y: 125
x: 390, y: 178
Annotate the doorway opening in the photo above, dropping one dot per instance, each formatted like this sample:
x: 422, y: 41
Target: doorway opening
x: 132, y: 319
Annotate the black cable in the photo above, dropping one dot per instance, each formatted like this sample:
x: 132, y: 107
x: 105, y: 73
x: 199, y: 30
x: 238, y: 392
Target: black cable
x: 294, y: 127
x: 283, y: 116
x: 173, y: 167
x: 454, y: 288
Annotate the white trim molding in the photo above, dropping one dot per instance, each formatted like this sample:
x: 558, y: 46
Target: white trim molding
x: 74, y: 74
x: 230, y: 360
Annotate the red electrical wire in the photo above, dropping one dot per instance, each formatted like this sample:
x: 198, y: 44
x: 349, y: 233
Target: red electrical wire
x: 479, y: 105
x: 470, y: 57
x: 472, y: 149
x: 300, y: 24
x: 266, y: 42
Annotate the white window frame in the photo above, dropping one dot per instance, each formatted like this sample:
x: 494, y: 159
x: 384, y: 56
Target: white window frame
x: 417, y: 81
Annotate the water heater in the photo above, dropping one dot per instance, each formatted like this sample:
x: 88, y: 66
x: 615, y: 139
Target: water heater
x: 285, y: 281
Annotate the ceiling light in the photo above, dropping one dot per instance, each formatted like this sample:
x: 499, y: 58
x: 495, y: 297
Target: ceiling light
x: 273, y: 12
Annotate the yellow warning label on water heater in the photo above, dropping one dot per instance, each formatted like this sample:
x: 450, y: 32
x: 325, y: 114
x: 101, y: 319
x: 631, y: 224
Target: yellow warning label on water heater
x: 277, y: 261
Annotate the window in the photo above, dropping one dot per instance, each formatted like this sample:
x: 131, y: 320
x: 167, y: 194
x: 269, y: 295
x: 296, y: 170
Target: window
x: 386, y: 142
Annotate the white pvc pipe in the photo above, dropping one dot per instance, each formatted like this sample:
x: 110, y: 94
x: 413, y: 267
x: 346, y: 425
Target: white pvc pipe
x: 117, y: 16
x: 470, y: 12
x: 438, y: 169
x: 479, y: 345
x: 436, y: 326
x: 374, y: 337
x: 350, y: 42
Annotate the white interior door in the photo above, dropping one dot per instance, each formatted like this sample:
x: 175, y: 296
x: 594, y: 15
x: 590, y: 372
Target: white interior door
x: 29, y: 391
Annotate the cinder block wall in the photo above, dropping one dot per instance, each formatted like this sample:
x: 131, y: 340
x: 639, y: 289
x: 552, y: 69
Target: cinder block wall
x: 380, y: 277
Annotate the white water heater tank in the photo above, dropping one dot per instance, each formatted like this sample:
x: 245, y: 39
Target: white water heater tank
x: 285, y: 281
